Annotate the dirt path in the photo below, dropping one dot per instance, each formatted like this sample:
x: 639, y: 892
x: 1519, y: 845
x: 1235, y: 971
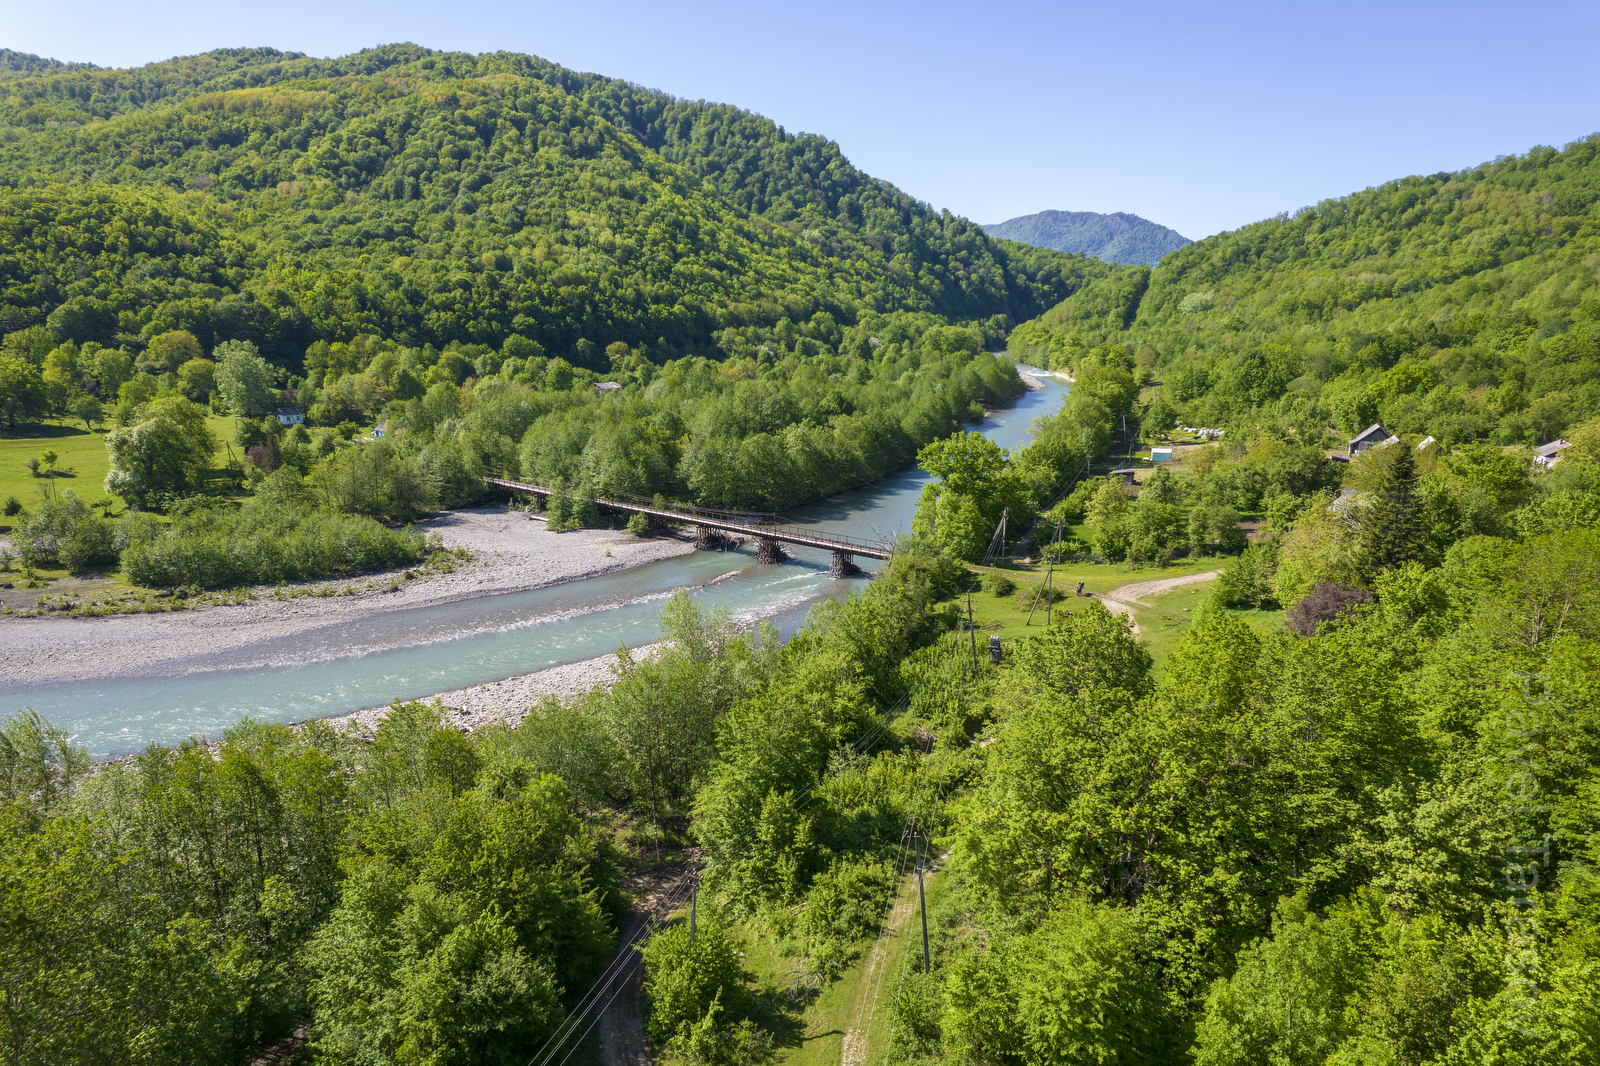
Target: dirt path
x: 876, y: 988
x: 1125, y: 598
x: 621, y: 1027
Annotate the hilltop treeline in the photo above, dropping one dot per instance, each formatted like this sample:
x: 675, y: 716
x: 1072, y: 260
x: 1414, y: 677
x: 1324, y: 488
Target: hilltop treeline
x: 427, y: 198
x: 1460, y: 305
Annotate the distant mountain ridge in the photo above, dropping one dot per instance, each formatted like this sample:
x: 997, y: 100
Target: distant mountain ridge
x: 1116, y: 238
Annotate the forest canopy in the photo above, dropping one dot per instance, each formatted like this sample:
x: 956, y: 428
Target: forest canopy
x: 431, y: 198
x: 1462, y: 305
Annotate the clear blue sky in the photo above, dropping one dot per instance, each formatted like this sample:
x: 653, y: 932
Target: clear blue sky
x: 1200, y: 116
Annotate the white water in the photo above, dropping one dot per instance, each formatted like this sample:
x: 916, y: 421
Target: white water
x: 414, y: 652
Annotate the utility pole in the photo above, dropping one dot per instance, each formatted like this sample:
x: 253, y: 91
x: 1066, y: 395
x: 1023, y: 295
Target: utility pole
x: 1050, y: 582
x: 918, y: 838
x: 694, y: 899
x: 973, y: 630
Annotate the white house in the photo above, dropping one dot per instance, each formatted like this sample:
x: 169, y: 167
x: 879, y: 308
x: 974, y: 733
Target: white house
x: 289, y: 416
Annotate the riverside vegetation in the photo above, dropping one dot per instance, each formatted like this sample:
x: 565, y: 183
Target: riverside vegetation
x: 1313, y: 844
x: 459, y: 248
x: 1367, y: 835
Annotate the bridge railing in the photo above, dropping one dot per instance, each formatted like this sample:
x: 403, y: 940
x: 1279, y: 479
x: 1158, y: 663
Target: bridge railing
x: 758, y: 524
x: 649, y: 501
x: 842, y: 541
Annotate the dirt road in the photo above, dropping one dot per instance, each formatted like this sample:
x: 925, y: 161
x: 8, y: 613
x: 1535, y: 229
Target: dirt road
x: 1124, y: 598
x: 621, y: 1027
x: 874, y: 1000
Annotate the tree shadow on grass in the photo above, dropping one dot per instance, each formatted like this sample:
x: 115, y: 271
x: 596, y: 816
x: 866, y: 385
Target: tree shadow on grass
x: 40, y: 431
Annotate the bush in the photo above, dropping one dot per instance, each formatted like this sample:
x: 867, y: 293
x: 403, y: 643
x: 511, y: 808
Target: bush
x: 1250, y: 580
x: 687, y: 980
x: 65, y: 532
x: 998, y: 585
x: 846, y: 902
x: 1328, y: 604
x: 262, y: 544
x: 13, y: 507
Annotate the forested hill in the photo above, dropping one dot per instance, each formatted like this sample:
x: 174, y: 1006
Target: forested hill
x: 1461, y: 305
x: 1115, y: 238
x: 430, y: 197
x: 22, y: 64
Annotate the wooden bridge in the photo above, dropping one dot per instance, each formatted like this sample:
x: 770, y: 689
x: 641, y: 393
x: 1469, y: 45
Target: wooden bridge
x: 720, y: 528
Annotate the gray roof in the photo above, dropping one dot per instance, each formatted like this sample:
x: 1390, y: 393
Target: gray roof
x: 1552, y: 448
x: 1374, y: 430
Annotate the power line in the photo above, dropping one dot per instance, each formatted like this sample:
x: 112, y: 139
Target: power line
x: 608, y: 976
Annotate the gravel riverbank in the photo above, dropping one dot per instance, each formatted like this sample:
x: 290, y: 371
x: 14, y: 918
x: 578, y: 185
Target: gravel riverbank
x: 511, y: 553
x: 508, y: 700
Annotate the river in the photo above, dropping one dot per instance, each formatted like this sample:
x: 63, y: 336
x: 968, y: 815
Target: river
x: 414, y: 652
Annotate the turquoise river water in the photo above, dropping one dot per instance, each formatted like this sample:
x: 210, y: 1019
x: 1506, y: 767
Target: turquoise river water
x: 414, y: 652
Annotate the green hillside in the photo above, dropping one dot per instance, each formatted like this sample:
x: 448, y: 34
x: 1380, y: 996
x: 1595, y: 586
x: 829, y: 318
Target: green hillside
x: 436, y: 198
x: 1461, y: 305
x: 1115, y: 238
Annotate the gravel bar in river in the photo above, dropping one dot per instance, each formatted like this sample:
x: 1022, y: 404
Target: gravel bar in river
x: 511, y: 553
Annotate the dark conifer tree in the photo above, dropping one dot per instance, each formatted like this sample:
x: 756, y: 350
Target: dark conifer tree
x: 1391, y: 530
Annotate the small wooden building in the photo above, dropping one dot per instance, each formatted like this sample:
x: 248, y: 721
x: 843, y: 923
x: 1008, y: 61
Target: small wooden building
x: 1370, y: 437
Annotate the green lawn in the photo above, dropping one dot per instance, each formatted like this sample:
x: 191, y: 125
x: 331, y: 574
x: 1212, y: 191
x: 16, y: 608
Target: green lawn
x: 1164, y: 621
x: 83, y: 462
x: 1008, y: 615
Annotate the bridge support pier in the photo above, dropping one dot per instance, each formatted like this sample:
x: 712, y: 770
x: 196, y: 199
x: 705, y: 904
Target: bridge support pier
x: 769, y: 551
x: 707, y: 539
x: 843, y: 565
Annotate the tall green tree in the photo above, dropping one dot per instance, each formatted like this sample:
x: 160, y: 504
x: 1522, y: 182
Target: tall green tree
x: 244, y: 379
x: 169, y: 449
x: 1392, y: 531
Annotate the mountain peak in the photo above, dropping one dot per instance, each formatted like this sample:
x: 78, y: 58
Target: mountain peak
x: 1116, y: 238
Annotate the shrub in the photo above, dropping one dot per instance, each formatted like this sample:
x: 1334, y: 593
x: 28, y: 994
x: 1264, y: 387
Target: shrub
x: 686, y: 980
x: 13, y: 507
x: 998, y: 585
x: 846, y: 902
x: 261, y: 544
x: 1249, y: 580
x: 1328, y: 604
x: 66, y: 532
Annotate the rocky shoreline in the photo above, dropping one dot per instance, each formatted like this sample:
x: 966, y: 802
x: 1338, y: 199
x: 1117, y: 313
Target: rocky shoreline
x: 507, y: 700
x: 510, y: 553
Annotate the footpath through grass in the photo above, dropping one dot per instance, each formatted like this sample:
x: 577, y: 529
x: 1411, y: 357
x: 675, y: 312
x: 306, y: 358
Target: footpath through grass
x: 1168, y: 616
x: 1008, y: 615
x: 1162, y: 619
x: 846, y: 1021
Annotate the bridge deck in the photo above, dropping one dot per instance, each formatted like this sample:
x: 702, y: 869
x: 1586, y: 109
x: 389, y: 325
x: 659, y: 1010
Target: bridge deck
x: 724, y: 523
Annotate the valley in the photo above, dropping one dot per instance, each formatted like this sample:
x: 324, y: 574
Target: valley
x: 1227, y: 696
